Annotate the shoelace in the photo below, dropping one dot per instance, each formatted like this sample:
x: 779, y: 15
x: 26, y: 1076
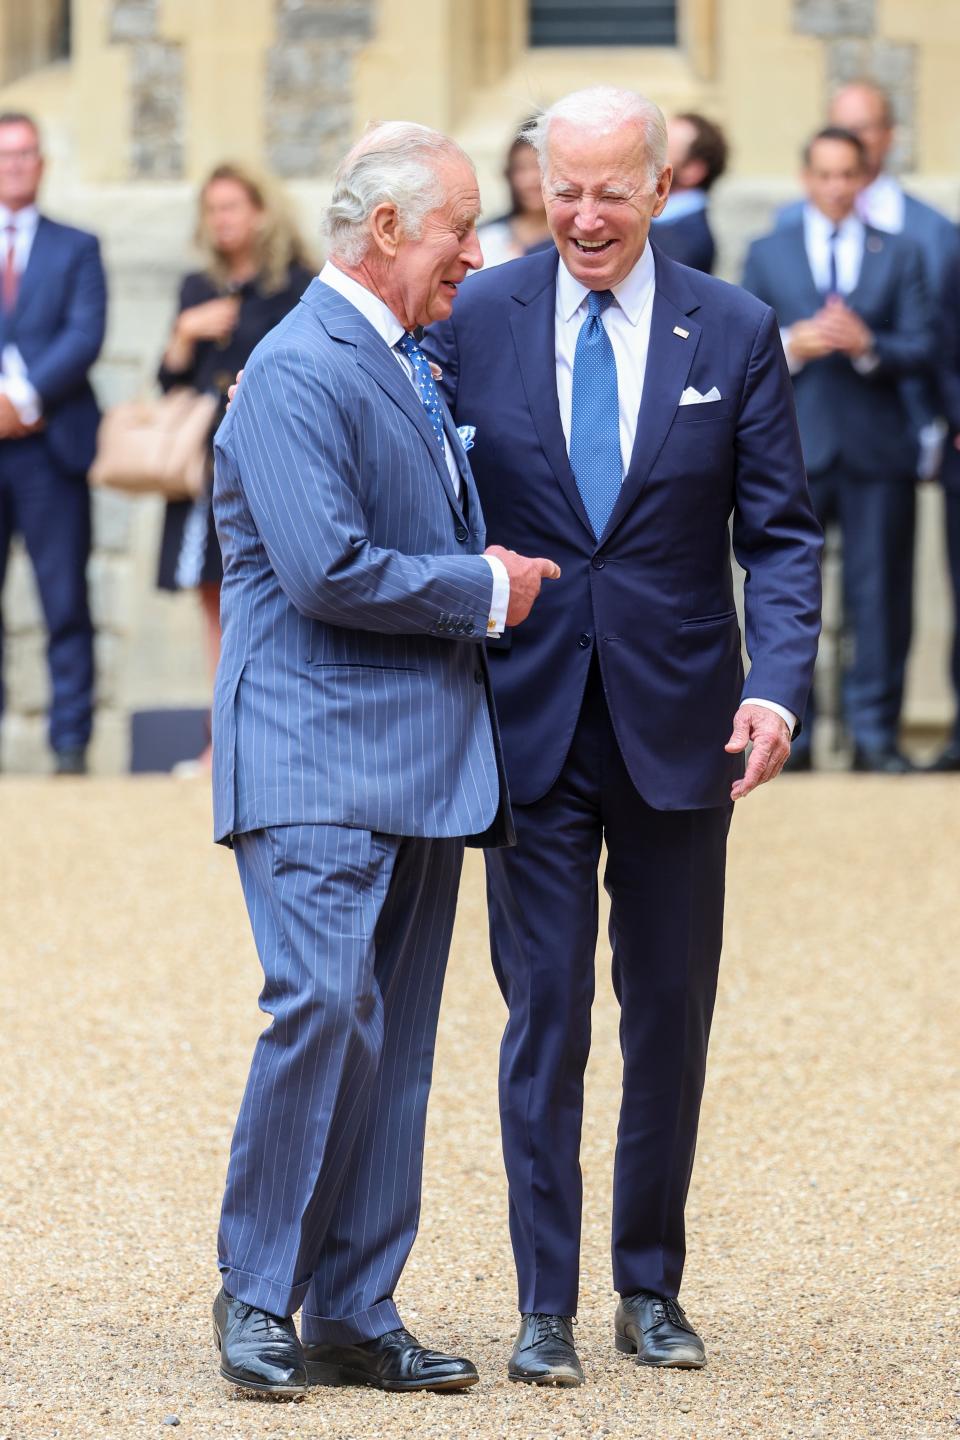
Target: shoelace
x: 264, y: 1323
x: 670, y: 1310
x: 549, y: 1327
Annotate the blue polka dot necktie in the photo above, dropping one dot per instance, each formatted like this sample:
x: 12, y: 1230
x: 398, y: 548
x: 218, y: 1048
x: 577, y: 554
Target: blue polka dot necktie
x: 595, y: 455
x: 425, y: 383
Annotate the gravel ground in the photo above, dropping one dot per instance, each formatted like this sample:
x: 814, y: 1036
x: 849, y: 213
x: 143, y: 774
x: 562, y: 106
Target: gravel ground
x: 822, y: 1264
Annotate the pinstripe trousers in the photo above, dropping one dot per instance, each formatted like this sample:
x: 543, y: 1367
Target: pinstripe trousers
x: 322, y: 1196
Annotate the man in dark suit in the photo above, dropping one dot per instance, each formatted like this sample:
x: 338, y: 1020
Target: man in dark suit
x: 855, y: 317
x: 625, y: 407
x: 949, y: 759
x: 697, y: 151
x: 52, y: 319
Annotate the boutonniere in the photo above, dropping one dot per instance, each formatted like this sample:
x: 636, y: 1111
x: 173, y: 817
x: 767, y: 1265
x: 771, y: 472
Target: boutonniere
x: 467, y: 434
x: 435, y: 371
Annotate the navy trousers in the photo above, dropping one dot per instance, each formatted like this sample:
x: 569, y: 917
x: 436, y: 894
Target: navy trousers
x: 51, y: 510
x: 877, y: 522
x: 665, y: 878
x: 952, y: 522
x: 322, y: 1197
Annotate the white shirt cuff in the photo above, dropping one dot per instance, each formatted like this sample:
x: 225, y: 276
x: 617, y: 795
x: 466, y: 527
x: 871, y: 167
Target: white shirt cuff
x: 17, y: 388
x: 793, y: 364
x: 501, y: 596
x: 786, y: 715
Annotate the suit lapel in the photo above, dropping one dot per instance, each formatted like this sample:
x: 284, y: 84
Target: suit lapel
x: 344, y: 321
x: 876, y: 257
x: 533, y: 326
x: 40, y: 259
x: 797, y: 263
x: 669, y: 358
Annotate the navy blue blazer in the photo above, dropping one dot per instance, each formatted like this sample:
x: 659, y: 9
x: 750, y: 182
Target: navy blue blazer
x: 654, y: 598
x: 949, y: 315
x: 58, y: 325
x: 858, y: 421
x: 352, y: 687
x: 688, y: 240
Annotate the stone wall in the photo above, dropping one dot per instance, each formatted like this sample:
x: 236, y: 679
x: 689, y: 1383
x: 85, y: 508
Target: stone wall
x: 156, y: 90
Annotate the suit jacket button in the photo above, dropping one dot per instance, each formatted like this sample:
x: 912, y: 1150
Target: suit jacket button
x: 469, y: 628
x: 462, y: 534
x: 585, y: 641
x: 598, y: 562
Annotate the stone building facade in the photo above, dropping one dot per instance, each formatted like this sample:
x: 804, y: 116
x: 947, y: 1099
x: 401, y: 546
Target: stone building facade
x: 139, y: 98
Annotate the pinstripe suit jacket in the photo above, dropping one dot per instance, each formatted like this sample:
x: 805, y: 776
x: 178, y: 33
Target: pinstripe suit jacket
x: 352, y: 687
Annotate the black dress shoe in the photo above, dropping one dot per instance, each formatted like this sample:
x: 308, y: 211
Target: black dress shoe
x: 544, y: 1353
x: 881, y: 762
x: 947, y: 762
x: 70, y: 762
x: 657, y: 1332
x: 258, y: 1351
x: 395, y: 1361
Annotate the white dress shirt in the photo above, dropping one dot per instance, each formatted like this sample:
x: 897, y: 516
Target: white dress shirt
x: 882, y: 205
x: 627, y: 322
x: 13, y: 372
x: 388, y: 327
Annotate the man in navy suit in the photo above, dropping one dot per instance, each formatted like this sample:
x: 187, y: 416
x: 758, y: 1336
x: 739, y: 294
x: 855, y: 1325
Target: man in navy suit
x: 697, y: 152
x: 625, y: 408
x: 354, y: 748
x: 855, y: 316
x: 949, y: 310
x: 52, y: 318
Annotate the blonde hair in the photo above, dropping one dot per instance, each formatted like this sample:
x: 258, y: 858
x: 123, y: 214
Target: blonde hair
x: 279, y: 243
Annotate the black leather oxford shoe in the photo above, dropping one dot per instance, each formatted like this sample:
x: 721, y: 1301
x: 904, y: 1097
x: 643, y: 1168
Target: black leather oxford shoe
x: 395, y: 1361
x: 657, y: 1332
x: 258, y: 1351
x: 881, y: 762
x: 544, y: 1353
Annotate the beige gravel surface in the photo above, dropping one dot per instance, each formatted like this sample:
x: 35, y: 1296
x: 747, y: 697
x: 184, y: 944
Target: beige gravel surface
x: 822, y: 1264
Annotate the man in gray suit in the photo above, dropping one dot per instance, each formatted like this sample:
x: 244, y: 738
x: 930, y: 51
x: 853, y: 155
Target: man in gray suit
x: 355, y: 747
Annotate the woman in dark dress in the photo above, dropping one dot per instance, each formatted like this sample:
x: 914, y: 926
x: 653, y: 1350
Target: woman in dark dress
x: 257, y: 268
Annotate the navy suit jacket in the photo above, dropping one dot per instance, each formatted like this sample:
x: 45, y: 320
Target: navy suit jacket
x: 352, y: 687
x: 846, y: 418
x: 949, y: 314
x: 655, y: 596
x: 689, y: 240
x: 58, y: 325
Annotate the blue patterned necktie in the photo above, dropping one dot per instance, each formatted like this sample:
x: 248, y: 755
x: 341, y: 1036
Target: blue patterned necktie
x: 425, y: 383
x: 595, y: 455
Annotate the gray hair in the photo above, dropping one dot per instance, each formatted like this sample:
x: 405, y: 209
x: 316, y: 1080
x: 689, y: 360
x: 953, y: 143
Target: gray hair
x: 599, y: 111
x: 394, y: 162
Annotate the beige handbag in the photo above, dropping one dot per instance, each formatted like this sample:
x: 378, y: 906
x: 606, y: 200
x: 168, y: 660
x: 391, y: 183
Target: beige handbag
x: 157, y: 447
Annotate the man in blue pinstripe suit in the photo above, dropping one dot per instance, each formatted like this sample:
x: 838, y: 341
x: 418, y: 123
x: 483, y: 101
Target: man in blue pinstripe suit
x: 354, y: 750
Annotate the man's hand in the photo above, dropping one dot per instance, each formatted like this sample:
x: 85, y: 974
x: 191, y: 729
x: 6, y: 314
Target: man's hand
x: 11, y: 426
x: 233, y: 388
x: 806, y: 342
x: 841, y: 329
x: 526, y: 577
x: 771, y: 746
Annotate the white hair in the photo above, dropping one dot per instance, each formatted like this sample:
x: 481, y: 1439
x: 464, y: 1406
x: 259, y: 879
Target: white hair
x: 599, y: 111
x: 394, y: 162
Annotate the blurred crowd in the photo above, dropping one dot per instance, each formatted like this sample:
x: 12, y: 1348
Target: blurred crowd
x: 864, y: 279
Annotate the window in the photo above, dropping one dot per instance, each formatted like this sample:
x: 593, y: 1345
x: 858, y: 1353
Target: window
x: 613, y: 22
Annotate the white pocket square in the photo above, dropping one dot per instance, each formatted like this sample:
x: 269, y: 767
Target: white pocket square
x: 691, y: 396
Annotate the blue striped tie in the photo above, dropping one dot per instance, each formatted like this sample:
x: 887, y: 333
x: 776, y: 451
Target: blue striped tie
x: 595, y: 455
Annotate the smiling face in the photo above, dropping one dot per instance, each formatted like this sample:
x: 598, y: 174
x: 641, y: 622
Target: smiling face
x: 417, y: 276
x: 600, y: 200
x: 21, y: 164
x: 833, y: 177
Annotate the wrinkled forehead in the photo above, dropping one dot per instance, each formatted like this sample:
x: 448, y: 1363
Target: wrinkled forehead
x: 461, y: 192
x: 616, y: 156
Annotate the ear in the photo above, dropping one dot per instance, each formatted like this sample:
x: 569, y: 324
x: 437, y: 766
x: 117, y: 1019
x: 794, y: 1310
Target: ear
x: 385, y: 229
x: 664, y: 181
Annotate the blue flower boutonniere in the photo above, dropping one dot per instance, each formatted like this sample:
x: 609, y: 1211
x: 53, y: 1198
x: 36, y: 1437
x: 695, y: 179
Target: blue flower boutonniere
x: 467, y: 434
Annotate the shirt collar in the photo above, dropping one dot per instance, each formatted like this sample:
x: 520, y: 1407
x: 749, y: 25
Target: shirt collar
x: 680, y: 204
x: 822, y: 227
x: 25, y: 221
x: 371, y: 307
x: 632, y: 294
